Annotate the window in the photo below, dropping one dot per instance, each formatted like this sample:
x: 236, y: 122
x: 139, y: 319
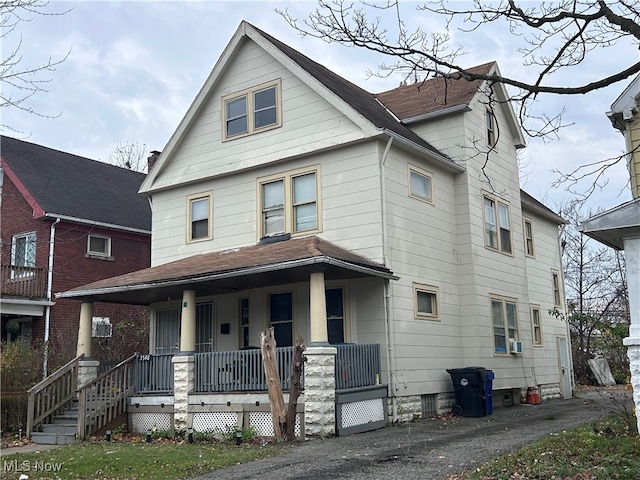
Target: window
x: 288, y: 203
x: 505, y: 323
x: 23, y: 250
x: 420, y: 184
x: 244, y: 322
x: 491, y: 125
x: 281, y: 318
x: 100, y: 327
x: 199, y: 214
x: 204, y: 327
x: 535, y: 325
x: 251, y: 111
x: 425, y: 301
x: 99, y: 246
x: 335, y: 315
x: 557, y: 297
x: 528, y: 237
x: 497, y: 225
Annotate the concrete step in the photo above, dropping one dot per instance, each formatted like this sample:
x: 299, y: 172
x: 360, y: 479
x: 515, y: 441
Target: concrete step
x: 60, y: 428
x: 44, y: 438
x: 65, y: 419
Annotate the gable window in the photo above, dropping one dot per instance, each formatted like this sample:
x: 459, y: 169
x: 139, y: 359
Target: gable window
x: 101, y: 327
x: 244, y: 322
x: 251, y: 111
x: 98, y: 246
x: 335, y: 315
x: 491, y: 126
x: 420, y: 184
x: 528, y: 237
x: 425, y: 301
x: 288, y: 203
x: 281, y: 318
x: 505, y: 323
x: 535, y: 325
x: 555, y: 279
x: 497, y: 225
x: 199, y: 214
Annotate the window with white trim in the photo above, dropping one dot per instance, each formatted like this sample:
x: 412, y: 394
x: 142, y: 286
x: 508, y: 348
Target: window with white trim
x: 23, y: 250
x: 199, y: 214
x: 98, y: 246
x: 425, y: 301
x: 288, y: 203
x: 254, y: 110
x: 101, y: 327
x: 420, y: 184
x: 528, y: 237
x: 497, y: 225
x: 504, y: 315
x: 536, y: 325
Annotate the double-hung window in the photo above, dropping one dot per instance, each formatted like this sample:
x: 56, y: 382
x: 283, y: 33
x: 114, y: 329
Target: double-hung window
x: 289, y: 203
x: 199, y: 217
x: 557, y: 296
x: 251, y: 111
x: 504, y: 314
x: 491, y: 126
x: 497, y: 225
x: 536, y: 325
x: 528, y: 237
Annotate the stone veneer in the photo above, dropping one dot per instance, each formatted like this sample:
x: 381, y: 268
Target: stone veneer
x: 320, y: 391
x: 183, y: 368
x: 633, y: 352
x: 87, y: 371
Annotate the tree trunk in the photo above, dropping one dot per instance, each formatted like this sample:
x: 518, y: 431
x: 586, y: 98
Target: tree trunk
x: 278, y: 411
x: 294, y: 393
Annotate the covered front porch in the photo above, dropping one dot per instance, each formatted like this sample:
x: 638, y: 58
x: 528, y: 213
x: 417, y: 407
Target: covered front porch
x: 205, y: 368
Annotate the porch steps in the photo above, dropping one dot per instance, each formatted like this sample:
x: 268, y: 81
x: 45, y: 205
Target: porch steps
x: 62, y: 430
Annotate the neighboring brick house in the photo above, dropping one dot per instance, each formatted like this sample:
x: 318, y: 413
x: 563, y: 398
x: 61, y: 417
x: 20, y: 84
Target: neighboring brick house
x: 65, y: 221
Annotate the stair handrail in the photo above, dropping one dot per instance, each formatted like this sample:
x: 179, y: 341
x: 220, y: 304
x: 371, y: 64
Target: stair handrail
x: 105, y: 398
x: 52, y: 394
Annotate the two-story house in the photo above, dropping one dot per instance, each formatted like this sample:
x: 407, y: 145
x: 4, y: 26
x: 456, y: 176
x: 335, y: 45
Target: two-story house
x: 389, y: 231
x: 67, y: 220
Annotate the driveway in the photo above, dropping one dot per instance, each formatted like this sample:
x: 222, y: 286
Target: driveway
x: 431, y: 448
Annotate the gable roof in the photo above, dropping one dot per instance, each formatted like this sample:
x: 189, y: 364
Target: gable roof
x: 62, y: 185
x: 534, y: 205
x: 237, y: 269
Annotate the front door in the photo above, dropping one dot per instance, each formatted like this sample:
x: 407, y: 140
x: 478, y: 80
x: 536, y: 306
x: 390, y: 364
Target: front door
x: 565, y: 368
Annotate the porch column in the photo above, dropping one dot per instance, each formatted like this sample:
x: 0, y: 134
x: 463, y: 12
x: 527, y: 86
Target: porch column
x: 320, y: 391
x: 188, y: 322
x: 183, y: 378
x: 87, y: 367
x: 318, y: 309
x: 632, y: 342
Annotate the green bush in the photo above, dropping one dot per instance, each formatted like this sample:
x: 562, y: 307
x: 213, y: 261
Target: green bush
x: 13, y: 412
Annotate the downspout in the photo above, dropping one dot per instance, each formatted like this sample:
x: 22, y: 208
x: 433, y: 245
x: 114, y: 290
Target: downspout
x: 565, y: 313
x: 47, y: 308
x: 389, y: 331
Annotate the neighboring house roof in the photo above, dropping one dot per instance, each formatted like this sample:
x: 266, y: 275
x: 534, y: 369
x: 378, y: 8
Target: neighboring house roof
x: 231, y: 270
x: 532, y: 204
x: 614, y: 225
x: 626, y: 105
x: 62, y: 185
x: 438, y: 94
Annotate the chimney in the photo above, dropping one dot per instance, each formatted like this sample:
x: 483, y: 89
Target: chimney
x: 151, y: 160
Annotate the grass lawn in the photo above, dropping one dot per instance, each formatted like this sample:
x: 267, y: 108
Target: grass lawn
x: 132, y: 460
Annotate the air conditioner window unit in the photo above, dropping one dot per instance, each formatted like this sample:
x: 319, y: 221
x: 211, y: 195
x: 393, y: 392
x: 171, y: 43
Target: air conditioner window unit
x: 516, y: 347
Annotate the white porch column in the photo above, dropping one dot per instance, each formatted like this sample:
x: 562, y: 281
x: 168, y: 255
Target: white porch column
x: 318, y: 309
x: 84, y: 330
x: 632, y: 342
x: 320, y: 391
x: 188, y: 322
x: 183, y: 378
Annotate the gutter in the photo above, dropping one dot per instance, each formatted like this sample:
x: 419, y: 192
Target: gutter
x: 47, y: 312
x: 445, y: 162
x: 439, y: 113
x: 94, y: 223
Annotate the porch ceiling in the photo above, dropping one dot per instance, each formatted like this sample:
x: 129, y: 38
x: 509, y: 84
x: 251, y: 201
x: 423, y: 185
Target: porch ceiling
x: 286, y: 261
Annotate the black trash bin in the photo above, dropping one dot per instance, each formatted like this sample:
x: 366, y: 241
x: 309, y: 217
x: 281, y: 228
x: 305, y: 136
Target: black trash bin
x: 469, y: 385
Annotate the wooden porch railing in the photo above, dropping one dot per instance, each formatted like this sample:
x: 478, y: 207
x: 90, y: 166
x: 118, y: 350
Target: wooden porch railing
x: 105, y: 398
x: 19, y: 281
x: 52, y: 395
x: 357, y: 365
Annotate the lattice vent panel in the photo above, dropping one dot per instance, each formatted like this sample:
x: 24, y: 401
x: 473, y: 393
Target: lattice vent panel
x: 141, y: 422
x: 214, y: 421
x: 365, y: 411
x: 263, y: 424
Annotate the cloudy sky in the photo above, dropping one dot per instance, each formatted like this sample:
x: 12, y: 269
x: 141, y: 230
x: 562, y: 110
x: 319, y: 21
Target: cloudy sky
x: 133, y: 69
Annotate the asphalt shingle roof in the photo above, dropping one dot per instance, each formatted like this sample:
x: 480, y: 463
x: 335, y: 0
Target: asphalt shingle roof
x: 70, y: 185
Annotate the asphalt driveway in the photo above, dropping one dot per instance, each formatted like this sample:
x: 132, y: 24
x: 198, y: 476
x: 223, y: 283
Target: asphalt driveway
x: 428, y: 449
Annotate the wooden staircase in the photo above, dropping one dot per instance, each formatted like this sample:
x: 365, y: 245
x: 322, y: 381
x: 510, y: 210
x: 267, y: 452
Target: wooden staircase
x: 62, y: 430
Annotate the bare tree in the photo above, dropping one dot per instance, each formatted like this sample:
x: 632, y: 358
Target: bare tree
x: 129, y: 155
x: 19, y: 78
x: 558, y: 37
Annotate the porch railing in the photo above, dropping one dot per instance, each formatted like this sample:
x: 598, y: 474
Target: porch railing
x: 239, y: 370
x: 52, y: 395
x: 26, y: 282
x: 105, y: 398
x: 357, y: 365
x: 154, y: 373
